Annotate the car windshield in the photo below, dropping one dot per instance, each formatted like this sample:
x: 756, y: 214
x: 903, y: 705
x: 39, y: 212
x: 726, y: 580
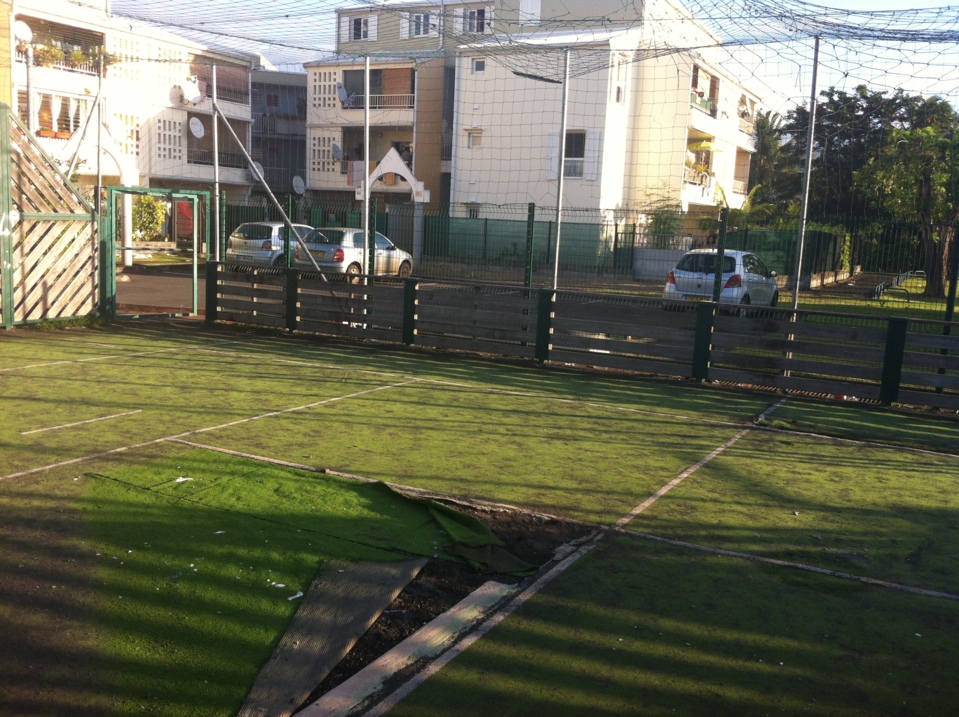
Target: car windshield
x: 705, y: 264
x: 325, y: 236
x: 253, y: 231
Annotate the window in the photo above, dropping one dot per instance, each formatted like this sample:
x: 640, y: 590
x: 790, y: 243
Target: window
x: 361, y: 28
x: 617, y: 78
x: 479, y: 66
x: 272, y: 100
x: 358, y: 29
x: 582, y: 154
x: 421, y: 25
x: 575, y: 158
x: 474, y: 140
x: 476, y: 20
x: 474, y: 211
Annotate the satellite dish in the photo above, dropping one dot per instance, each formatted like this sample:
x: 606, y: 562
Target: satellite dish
x: 299, y: 186
x: 337, y: 152
x: 343, y: 95
x: 187, y: 92
x: 196, y: 128
x: 22, y: 31
x: 257, y: 169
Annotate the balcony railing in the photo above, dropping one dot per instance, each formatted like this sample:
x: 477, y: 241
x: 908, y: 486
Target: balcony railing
x: 692, y: 175
x: 205, y: 156
x: 381, y: 102
x: 447, y: 150
x: 739, y: 187
x: 87, y: 67
x: 746, y: 125
x: 704, y: 103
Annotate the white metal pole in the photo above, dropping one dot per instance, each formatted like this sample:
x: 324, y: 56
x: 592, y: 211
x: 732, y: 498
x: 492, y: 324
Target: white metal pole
x: 216, y: 174
x: 806, y: 180
x: 367, y: 242
x: 562, y: 163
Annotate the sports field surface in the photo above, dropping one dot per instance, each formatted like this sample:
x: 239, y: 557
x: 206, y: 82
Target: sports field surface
x: 753, y: 554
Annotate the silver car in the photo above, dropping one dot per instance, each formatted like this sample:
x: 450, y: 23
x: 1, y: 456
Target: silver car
x: 745, y: 279
x: 341, y: 250
x: 262, y: 243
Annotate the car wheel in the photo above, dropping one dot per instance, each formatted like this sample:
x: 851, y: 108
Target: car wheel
x: 775, y: 299
x: 280, y: 261
x: 353, y: 273
x: 405, y: 270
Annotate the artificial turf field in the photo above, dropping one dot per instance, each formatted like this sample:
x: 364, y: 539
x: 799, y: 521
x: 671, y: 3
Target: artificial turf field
x: 149, y: 567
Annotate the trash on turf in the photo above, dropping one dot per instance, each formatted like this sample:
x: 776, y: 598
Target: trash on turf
x: 182, y: 479
x: 299, y: 594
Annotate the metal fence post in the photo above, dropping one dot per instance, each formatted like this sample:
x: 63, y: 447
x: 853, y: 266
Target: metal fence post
x: 108, y: 259
x: 703, y: 340
x: 530, y: 228
x: 720, y: 253
x: 892, y: 361
x: 7, y: 228
x: 409, y: 311
x: 212, y: 276
x: 292, y: 290
x: 544, y: 324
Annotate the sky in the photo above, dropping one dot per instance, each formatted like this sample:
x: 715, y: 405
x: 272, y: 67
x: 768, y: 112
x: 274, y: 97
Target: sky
x: 289, y: 32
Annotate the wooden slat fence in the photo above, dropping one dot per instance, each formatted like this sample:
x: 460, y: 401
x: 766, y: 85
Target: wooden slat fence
x: 874, y: 359
x: 50, y: 252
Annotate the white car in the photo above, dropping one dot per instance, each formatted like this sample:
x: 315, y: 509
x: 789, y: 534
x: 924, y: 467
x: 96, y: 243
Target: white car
x: 262, y: 243
x: 745, y: 279
x: 341, y: 250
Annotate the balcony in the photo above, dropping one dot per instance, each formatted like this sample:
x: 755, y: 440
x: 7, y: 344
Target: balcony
x: 746, y: 125
x: 381, y: 102
x: 739, y: 187
x: 205, y: 156
x: 703, y: 103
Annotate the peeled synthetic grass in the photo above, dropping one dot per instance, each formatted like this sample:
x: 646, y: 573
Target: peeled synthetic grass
x: 199, y: 554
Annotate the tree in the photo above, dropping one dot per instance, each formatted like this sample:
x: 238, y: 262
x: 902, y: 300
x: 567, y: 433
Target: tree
x: 915, y: 176
x: 851, y: 128
x: 773, y: 174
x: 149, y: 214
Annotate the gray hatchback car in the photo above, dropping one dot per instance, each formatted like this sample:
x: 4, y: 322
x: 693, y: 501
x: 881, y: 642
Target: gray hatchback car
x: 262, y: 243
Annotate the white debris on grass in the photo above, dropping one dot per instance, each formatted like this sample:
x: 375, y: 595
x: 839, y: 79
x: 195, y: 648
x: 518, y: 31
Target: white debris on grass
x: 182, y: 479
x: 299, y: 594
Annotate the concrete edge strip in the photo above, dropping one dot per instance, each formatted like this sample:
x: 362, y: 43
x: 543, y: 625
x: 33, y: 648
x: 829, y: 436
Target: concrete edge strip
x: 80, y: 423
x: 425, y: 644
x: 789, y: 564
x: 495, y: 619
x: 194, y: 432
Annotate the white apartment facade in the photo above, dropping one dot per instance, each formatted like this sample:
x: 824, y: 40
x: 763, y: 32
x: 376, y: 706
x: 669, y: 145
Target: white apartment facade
x: 155, y: 92
x: 646, y: 124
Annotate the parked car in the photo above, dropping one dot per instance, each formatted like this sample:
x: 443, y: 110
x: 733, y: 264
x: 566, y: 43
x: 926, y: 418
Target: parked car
x: 745, y: 279
x: 341, y: 250
x: 262, y: 243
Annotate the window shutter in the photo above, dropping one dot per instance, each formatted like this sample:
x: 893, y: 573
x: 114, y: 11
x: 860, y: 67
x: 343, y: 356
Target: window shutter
x: 404, y: 25
x: 345, y: 28
x: 488, y: 29
x: 372, y: 26
x: 552, y: 155
x: 594, y: 144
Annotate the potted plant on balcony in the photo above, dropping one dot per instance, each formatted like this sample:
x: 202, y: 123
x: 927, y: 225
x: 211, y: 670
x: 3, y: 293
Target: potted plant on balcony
x: 77, y: 58
x: 47, y: 56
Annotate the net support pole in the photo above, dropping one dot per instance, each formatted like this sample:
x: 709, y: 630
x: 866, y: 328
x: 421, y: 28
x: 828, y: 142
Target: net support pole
x: 216, y: 171
x: 561, y: 167
x: 806, y: 179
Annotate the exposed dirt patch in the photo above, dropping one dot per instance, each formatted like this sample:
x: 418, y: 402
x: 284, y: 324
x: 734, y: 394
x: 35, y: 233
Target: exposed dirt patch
x: 443, y: 583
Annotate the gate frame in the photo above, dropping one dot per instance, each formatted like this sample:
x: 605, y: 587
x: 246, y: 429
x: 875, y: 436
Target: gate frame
x: 109, y: 247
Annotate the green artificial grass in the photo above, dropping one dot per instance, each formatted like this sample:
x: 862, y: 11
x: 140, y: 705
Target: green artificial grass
x: 937, y: 433
x: 640, y: 628
x: 198, y: 554
x: 881, y: 513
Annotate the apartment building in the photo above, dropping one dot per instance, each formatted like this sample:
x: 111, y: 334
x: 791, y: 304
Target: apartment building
x: 472, y: 90
x: 651, y: 119
x: 412, y: 46
x: 156, y: 94
x: 279, y: 130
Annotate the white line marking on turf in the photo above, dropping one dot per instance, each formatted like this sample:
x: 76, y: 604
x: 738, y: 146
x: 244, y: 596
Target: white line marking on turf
x: 80, y: 423
x: 789, y: 564
x: 692, y: 469
x: 92, y: 456
x: 391, y: 700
